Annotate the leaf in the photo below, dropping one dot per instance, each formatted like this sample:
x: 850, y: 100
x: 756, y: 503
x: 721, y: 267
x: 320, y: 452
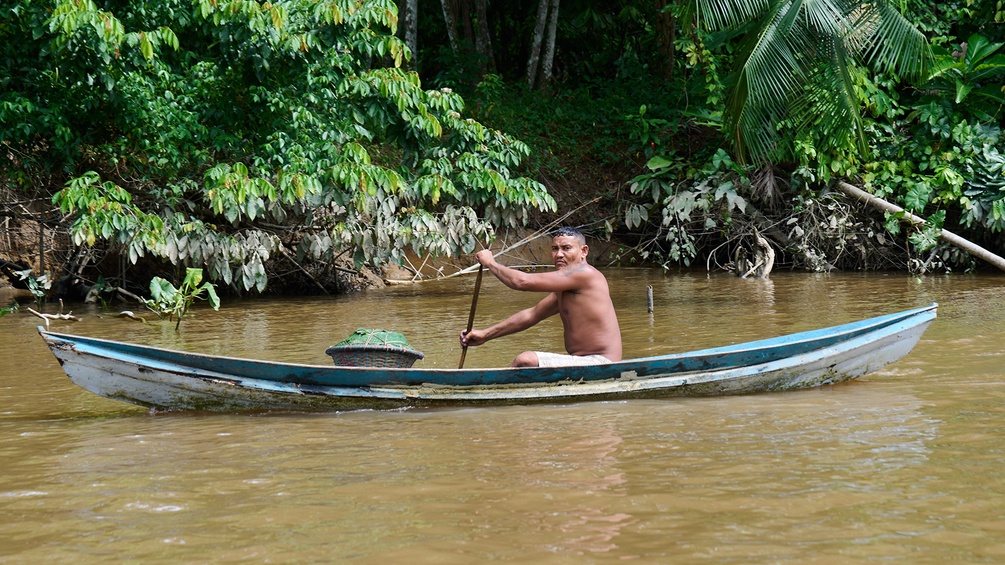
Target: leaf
x: 192, y: 278
x: 161, y: 290
x: 247, y: 277
x: 736, y: 201
x: 917, y: 197
x: 892, y: 223
x: 724, y: 190
x: 658, y: 162
x: 998, y: 210
x: 962, y: 90
x: 635, y: 216
x: 146, y: 47
x: 214, y: 300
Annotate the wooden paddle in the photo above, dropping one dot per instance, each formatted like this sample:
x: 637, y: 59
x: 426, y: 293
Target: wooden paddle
x: 471, y: 316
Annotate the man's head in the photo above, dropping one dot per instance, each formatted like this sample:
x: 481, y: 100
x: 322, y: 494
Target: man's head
x: 568, y: 247
x: 570, y: 232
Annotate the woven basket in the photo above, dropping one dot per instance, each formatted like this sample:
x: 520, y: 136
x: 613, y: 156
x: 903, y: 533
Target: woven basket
x: 373, y: 356
x: 368, y: 347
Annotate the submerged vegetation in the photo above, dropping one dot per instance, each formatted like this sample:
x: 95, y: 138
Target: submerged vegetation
x: 284, y: 146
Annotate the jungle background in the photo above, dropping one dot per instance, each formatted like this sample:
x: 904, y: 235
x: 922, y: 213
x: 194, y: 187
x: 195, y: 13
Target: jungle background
x: 300, y: 146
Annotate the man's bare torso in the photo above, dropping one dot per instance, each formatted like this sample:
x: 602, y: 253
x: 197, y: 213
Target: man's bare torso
x: 589, y: 319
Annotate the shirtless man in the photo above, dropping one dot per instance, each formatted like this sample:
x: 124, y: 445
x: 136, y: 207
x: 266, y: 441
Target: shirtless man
x: 577, y: 292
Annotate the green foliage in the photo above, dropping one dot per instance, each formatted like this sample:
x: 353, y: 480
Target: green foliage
x: 699, y: 54
x: 647, y: 133
x: 173, y: 303
x: 983, y: 197
x: 590, y: 129
x: 951, y: 19
x: 14, y: 307
x: 223, y: 134
x: 970, y: 76
x: 959, y: 146
x: 928, y: 237
x: 37, y: 286
x: 944, y: 159
x: 794, y: 63
x: 684, y: 203
x: 214, y: 134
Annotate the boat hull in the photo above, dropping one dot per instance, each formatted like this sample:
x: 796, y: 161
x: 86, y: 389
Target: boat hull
x: 149, y: 377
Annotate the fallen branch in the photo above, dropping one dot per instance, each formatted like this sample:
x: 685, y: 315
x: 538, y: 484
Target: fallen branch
x: 47, y: 317
x: 465, y: 270
x: 765, y: 259
x: 946, y: 235
x: 128, y: 294
x: 131, y: 316
x: 304, y: 271
x: 472, y: 268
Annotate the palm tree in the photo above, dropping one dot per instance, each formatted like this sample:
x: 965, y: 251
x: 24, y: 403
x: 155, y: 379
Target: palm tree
x: 794, y: 63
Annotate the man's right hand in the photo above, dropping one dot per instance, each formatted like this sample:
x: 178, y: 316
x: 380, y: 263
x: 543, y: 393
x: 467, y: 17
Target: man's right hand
x: 485, y: 257
x: 472, y: 338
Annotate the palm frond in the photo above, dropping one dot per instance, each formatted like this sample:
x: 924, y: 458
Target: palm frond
x: 795, y: 66
x: 886, y: 39
x: 724, y: 14
x: 768, y: 77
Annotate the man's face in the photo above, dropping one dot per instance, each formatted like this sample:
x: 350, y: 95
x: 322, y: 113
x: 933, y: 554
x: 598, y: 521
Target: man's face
x: 567, y: 250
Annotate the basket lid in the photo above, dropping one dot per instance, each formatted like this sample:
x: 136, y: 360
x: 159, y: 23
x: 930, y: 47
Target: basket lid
x: 367, y: 336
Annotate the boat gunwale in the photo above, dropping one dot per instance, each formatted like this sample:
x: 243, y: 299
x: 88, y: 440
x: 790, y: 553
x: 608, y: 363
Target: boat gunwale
x: 861, y: 326
x: 819, y: 359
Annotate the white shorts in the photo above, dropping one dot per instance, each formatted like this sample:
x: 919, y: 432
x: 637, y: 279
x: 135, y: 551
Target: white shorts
x: 545, y: 359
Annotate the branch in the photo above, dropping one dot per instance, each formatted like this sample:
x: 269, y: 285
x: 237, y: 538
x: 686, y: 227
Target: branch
x: 128, y: 294
x: 289, y: 257
x: 472, y: 268
x: 47, y: 317
x: 131, y: 316
x: 946, y: 235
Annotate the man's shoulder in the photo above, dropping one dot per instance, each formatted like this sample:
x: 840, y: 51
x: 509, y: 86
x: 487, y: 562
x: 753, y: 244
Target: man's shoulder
x: 594, y: 272
x: 581, y: 270
x: 587, y: 275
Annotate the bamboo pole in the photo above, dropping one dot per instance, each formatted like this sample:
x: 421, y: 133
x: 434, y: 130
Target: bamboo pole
x: 472, y: 268
x: 946, y: 235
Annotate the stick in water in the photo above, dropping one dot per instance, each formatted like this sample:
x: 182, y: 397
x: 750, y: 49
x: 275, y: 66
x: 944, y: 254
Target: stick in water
x: 471, y: 316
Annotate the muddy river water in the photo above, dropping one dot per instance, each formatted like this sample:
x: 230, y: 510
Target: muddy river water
x: 903, y: 466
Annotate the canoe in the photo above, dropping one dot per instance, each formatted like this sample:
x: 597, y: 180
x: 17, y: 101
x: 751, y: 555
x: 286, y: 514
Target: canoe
x: 165, y: 379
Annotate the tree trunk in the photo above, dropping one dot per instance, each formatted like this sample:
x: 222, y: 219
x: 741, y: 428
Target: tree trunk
x: 666, y: 31
x: 483, y: 39
x: 946, y: 235
x: 549, y: 52
x: 535, y: 48
x: 463, y: 9
x: 450, y: 19
x: 409, y: 23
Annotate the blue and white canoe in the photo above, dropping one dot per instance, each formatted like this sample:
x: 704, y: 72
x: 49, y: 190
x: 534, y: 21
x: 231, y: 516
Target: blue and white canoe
x: 173, y: 380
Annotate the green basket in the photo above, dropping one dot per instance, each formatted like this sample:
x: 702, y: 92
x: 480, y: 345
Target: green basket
x: 374, y: 348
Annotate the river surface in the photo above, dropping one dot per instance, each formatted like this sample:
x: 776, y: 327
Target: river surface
x: 906, y: 465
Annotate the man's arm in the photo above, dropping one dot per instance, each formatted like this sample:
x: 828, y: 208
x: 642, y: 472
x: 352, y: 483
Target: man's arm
x: 548, y: 306
x: 552, y: 281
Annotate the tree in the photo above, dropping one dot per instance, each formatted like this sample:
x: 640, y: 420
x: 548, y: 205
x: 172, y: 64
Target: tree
x: 221, y: 136
x: 666, y: 35
x: 794, y: 66
x: 542, y: 49
x: 409, y: 12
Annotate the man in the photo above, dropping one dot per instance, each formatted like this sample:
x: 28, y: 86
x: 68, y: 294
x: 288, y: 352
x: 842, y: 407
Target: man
x: 577, y: 292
